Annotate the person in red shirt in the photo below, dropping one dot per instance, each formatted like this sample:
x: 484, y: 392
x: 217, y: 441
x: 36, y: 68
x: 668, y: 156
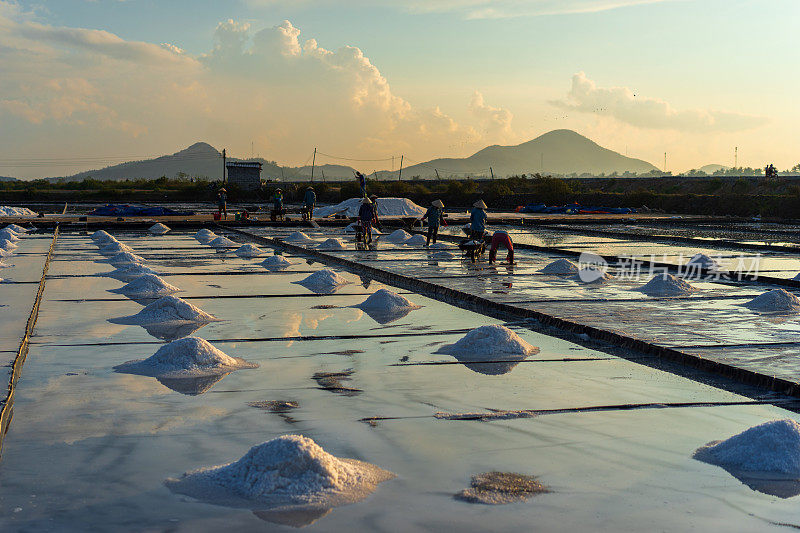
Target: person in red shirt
x: 501, y: 238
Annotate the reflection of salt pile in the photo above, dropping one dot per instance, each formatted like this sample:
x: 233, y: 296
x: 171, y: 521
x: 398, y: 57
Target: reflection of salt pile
x: 188, y: 357
x: 248, y: 250
x: 289, y: 472
x: 398, y: 236
x: 332, y: 244
x: 492, y: 349
x: 129, y: 272
x: 385, y: 306
x: 666, y: 285
x: 8, y: 235
x: 222, y: 242
x: 8, y: 246
x: 592, y: 275
x: 702, y: 261
x: 158, y: 229
x: 147, y: 286
x: 167, y: 310
x: 323, y: 281
x: 560, y: 266
x: 415, y: 240
x: 276, y: 262
x: 775, y: 301
x: 205, y: 236
x: 298, y: 237
x: 125, y: 258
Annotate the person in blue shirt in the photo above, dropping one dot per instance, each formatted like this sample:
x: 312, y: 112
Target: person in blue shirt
x: 310, y: 200
x: 362, y: 182
x: 477, y: 219
x: 366, y: 214
x: 435, y: 216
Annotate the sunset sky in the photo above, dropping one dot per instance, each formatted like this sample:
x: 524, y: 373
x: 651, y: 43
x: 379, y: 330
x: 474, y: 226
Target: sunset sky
x: 84, y: 84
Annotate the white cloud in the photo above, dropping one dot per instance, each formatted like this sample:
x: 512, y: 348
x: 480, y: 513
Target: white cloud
x: 624, y: 105
x: 494, y: 121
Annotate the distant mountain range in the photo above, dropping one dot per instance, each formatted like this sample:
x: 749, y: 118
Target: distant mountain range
x: 557, y: 152
x: 710, y: 169
x: 6, y: 178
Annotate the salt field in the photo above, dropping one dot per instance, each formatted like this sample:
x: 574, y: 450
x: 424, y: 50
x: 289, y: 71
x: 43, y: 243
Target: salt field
x: 193, y: 357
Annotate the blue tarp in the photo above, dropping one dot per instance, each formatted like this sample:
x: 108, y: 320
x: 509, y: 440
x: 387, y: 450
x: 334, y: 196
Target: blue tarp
x: 575, y: 209
x: 124, y: 210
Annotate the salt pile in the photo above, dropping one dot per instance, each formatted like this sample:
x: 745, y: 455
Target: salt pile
x: 416, y: 240
x: 276, y: 262
x: 248, y: 250
x: 100, y: 235
x: 187, y: 357
x: 666, y: 285
x: 7, y: 246
x: 205, y: 236
x: 168, y: 309
x: 129, y: 272
x: 16, y: 228
x: 8, y: 235
x: 775, y: 301
x: 125, y: 258
x: 702, y: 261
x: 592, y: 275
x: 770, y: 447
x: 442, y: 255
x: 290, y: 472
x: 146, y: 286
x: 222, y: 242
x: 158, y: 229
x: 298, y: 237
x: 492, y: 341
x: 440, y: 246
x: 391, y: 207
x: 797, y: 277
x: 397, y: 236
x: 115, y: 248
x: 8, y: 211
x: 4, y: 252
x: 385, y: 306
x: 332, y: 244
x: 323, y: 281
x: 560, y: 266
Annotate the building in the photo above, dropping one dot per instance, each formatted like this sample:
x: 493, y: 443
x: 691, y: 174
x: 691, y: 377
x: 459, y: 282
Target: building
x: 244, y: 174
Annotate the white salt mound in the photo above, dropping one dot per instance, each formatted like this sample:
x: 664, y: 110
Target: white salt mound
x: 797, y: 277
x: 249, y: 250
x: 490, y: 341
x: 703, y: 261
x: 5, y: 253
x: 8, y: 235
x: 129, y: 272
x: 125, y: 258
x: 560, y: 266
x: 8, y: 246
x: 147, y: 286
x: 167, y: 309
x: 323, y: 280
x: 287, y: 471
x: 775, y: 301
x: 398, y: 236
x: 100, y: 235
x: 440, y: 246
x: 332, y: 244
x: 442, y: 255
x: 223, y: 242
x: 298, y: 237
x: 187, y: 357
x: 666, y: 285
x: 115, y: 248
x: 592, y: 275
x: 16, y: 228
x: 205, y: 236
x: 276, y: 262
x: 770, y: 447
x: 9, y: 211
x: 416, y: 240
x: 387, y: 207
x: 158, y: 229
x: 386, y: 301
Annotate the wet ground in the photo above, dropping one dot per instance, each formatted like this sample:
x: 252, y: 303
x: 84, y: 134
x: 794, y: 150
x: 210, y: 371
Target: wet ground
x: 89, y: 448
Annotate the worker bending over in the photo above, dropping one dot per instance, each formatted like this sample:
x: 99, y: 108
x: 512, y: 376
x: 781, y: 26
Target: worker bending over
x: 501, y: 238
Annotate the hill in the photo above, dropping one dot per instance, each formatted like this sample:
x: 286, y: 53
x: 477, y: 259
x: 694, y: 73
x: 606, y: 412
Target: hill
x: 557, y: 152
x: 710, y: 169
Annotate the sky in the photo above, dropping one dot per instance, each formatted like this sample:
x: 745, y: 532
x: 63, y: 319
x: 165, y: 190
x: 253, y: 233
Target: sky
x: 86, y: 84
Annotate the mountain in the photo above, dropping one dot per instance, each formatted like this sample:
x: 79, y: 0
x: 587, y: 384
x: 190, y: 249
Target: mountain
x: 556, y: 152
x: 6, y: 178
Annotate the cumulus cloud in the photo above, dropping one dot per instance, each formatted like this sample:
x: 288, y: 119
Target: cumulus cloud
x: 494, y: 121
x: 645, y: 112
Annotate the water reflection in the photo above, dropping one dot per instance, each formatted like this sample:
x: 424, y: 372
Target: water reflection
x: 293, y: 518
x: 192, y: 386
x: 482, y: 365
x: 170, y: 331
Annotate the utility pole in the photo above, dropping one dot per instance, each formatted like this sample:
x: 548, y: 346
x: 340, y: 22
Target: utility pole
x: 437, y: 175
x: 282, y: 179
x: 392, y: 163
x: 323, y: 175
x: 491, y: 172
x: 665, y: 161
x: 736, y: 157
x: 400, y: 175
x: 313, y: 163
x: 224, y: 160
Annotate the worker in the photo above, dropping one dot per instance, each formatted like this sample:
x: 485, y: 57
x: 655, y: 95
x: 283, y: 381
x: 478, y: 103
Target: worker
x: 435, y: 216
x: 366, y: 214
x: 375, y: 222
x: 501, y: 238
x: 222, y: 202
x: 477, y: 219
x: 310, y: 199
x: 277, y: 204
x: 362, y: 182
